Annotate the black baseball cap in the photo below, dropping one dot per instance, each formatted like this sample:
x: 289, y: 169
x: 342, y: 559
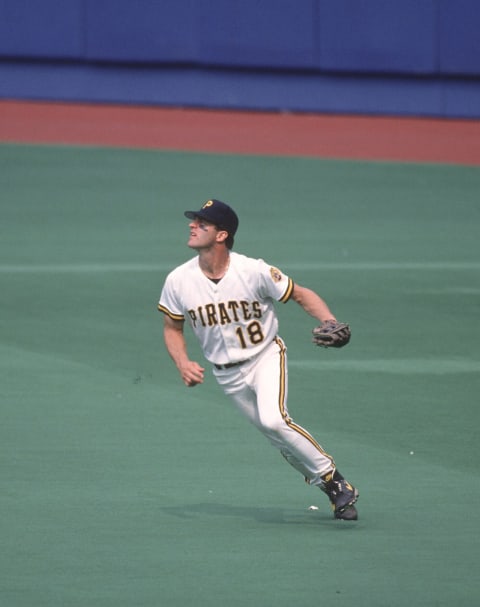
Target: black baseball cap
x: 218, y: 213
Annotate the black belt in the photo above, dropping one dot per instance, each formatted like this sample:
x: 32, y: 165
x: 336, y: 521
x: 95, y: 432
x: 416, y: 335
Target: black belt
x: 230, y: 365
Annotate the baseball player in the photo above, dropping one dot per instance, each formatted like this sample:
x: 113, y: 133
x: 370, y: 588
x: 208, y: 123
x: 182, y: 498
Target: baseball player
x: 228, y: 301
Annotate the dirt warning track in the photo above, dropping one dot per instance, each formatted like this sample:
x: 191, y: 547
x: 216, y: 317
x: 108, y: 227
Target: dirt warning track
x: 242, y: 132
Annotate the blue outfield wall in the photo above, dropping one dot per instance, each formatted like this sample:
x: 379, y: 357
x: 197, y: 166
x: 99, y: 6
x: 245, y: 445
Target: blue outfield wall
x: 406, y: 57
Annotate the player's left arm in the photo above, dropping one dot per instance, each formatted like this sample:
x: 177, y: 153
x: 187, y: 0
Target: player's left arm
x: 312, y: 303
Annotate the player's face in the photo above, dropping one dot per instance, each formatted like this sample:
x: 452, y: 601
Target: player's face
x: 203, y: 234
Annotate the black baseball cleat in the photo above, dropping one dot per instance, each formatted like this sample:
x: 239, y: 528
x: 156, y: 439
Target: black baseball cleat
x: 342, y: 496
x: 348, y: 514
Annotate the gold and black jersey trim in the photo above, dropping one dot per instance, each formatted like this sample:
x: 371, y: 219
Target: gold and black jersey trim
x: 288, y: 292
x: 170, y: 314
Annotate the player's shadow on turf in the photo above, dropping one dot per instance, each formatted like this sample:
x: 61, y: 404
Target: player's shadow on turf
x: 262, y: 515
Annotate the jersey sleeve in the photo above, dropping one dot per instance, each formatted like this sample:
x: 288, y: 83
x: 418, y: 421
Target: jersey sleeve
x: 169, y: 302
x: 274, y: 283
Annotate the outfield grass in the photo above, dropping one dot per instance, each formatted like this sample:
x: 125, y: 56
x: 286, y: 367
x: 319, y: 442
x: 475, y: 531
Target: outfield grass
x: 120, y: 487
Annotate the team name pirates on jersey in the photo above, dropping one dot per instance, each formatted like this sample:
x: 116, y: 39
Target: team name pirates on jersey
x: 225, y: 313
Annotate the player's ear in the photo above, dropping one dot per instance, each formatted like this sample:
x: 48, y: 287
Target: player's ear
x: 222, y: 235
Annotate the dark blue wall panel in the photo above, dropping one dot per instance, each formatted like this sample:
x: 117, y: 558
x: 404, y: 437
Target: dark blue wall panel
x: 378, y: 36
x: 371, y: 56
x: 240, y: 89
x: 459, y: 37
x: 251, y: 33
x: 364, y: 36
x: 43, y: 29
x: 141, y: 30
x: 258, y: 33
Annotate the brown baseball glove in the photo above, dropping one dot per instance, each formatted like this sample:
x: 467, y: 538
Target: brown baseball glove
x: 331, y: 334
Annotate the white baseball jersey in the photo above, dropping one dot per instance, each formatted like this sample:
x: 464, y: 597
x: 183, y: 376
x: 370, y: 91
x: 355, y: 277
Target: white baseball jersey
x: 234, y: 318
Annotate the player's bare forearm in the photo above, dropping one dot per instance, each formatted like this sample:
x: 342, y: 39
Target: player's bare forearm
x: 312, y: 303
x: 190, y: 371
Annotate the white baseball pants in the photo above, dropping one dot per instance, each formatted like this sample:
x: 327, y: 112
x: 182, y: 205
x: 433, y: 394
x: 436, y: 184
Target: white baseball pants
x: 259, y: 389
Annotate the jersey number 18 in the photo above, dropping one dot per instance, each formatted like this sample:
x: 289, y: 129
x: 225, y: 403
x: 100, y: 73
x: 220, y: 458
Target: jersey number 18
x: 254, y: 334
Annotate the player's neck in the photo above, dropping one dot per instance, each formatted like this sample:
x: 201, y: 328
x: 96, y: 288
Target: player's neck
x: 214, y: 263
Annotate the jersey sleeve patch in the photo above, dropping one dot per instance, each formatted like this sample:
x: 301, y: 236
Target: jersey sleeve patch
x: 275, y: 274
x: 172, y: 315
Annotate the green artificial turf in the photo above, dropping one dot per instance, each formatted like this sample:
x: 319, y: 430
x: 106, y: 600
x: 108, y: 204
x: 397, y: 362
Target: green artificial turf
x: 120, y: 487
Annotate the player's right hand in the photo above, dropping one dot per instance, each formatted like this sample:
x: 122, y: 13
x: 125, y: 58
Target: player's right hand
x: 192, y: 374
